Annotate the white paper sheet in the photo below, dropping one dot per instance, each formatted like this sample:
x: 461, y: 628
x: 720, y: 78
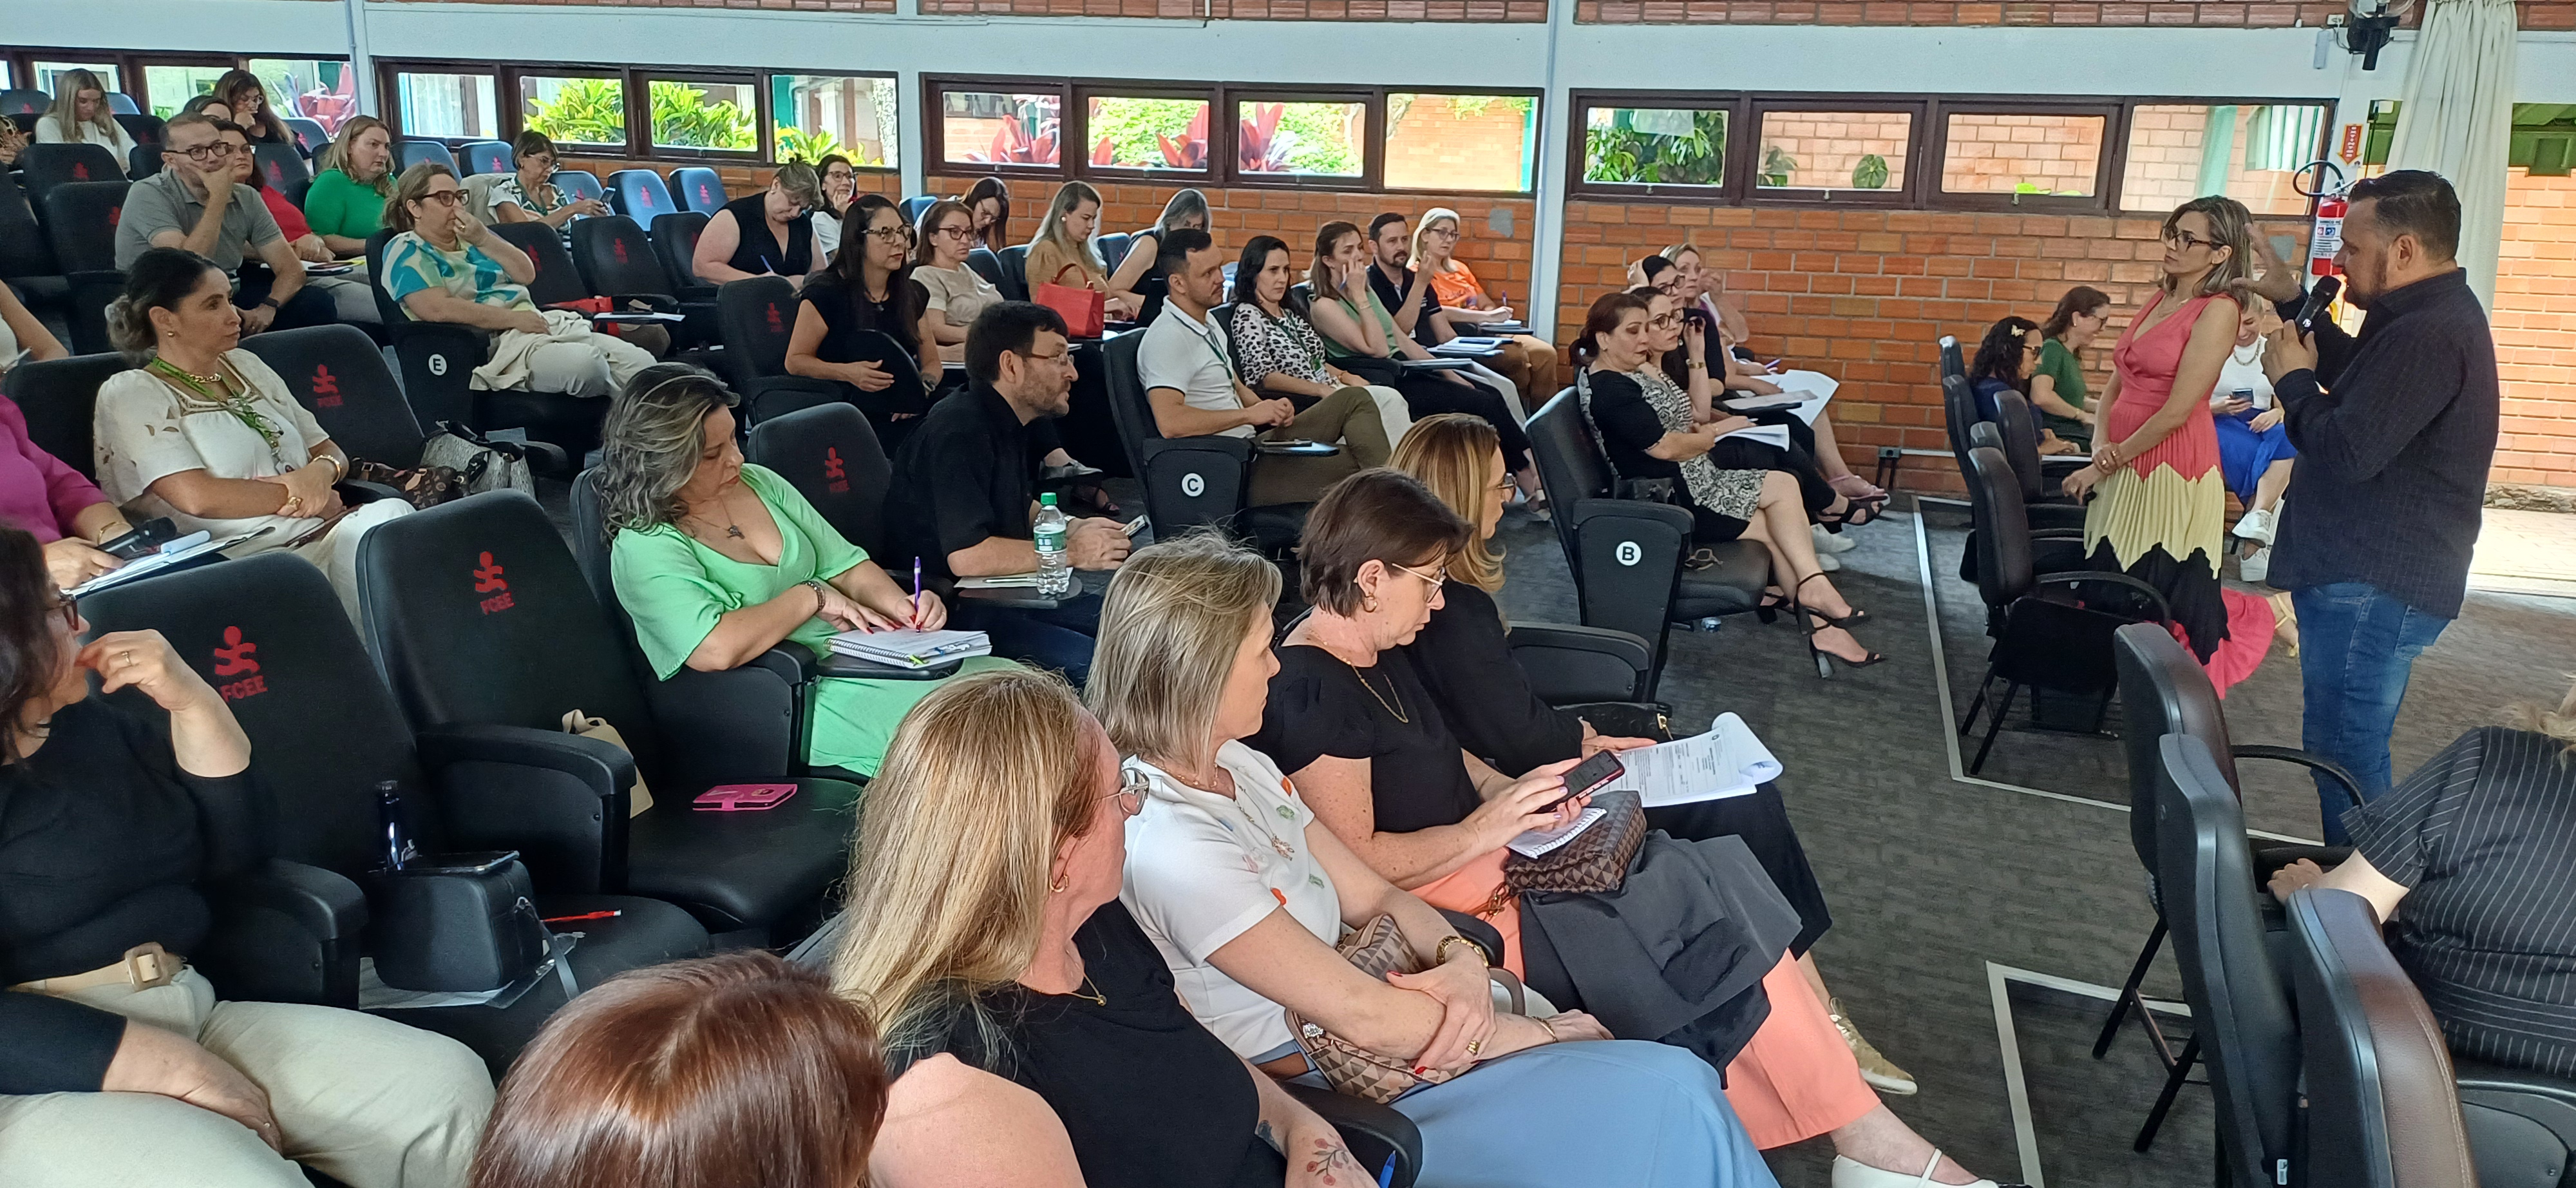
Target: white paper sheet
x: 1726, y: 761
x: 1535, y: 843
x: 1776, y: 436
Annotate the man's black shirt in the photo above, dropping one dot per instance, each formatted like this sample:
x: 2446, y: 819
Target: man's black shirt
x: 965, y: 476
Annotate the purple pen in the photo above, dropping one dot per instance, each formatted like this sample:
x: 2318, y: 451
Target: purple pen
x: 916, y: 591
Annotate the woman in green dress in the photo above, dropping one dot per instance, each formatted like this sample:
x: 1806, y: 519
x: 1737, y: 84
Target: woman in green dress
x: 718, y: 561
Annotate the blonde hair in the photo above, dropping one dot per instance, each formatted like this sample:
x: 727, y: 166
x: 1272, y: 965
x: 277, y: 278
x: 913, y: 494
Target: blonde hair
x: 1051, y: 228
x: 1434, y: 215
x: 1169, y: 629
x: 985, y: 779
x: 337, y: 156
x: 2230, y: 227
x: 65, y: 112
x: 2559, y: 723
x: 798, y: 180
x: 1458, y: 456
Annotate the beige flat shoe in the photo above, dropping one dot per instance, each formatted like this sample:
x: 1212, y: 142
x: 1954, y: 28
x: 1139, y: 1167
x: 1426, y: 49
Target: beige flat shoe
x: 2285, y: 621
x: 1875, y: 1068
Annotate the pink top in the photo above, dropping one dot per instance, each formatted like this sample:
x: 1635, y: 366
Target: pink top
x: 37, y: 491
x: 2146, y: 364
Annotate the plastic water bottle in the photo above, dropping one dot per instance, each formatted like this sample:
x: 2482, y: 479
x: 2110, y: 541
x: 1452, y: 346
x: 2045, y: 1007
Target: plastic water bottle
x: 1055, y: 567
x: 399, y: 849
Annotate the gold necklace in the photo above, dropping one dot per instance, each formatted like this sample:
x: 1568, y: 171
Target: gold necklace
x: 1397, y: 709
x: 1097, y: 998
x: 724, y: 501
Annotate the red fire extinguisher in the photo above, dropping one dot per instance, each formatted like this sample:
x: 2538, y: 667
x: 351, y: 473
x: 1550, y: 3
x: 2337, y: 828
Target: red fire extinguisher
x: 2327, y: 238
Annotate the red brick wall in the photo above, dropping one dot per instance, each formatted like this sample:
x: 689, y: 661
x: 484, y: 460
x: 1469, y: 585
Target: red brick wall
x: 1479, y: 11
x: 2535, y: 331
x: 2533, y: 14
x: 1501, y: 262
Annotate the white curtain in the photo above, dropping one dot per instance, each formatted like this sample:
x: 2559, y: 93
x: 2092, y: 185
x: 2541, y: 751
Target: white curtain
x: 2456, y: 118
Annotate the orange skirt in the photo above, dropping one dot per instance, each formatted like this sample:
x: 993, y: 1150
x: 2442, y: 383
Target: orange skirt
x: 1468, y: 889
x: 1796, y: 1079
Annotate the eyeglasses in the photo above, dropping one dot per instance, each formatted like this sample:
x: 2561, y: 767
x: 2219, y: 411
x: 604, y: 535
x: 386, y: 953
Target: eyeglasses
x: 954, y: 232
x: 1666, y: 322
x: 1449, y: 233
x: 2185, y: 240
x: 1436, y: 577
x: 70, y: 611
x: 894, y: 234
x: 444, y: 197
x: 1131, y: 791
x: 204, y: 152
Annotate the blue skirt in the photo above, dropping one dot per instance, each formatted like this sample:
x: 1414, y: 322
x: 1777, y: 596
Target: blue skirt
x: 1625, y: 1112
x: 2244, y: 454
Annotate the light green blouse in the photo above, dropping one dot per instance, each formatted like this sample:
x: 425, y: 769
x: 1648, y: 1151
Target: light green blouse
x: 1385, y: 322
x: 676, y: 589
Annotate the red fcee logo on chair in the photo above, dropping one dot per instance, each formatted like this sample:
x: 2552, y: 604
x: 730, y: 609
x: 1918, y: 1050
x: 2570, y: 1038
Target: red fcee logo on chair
x: 326, y: 387
x: 277, y: 175
x: 777, y: 325
x: 234, y: 659
x: 114, y: 215
x: 619, y: 245
x: 838, y: 475
x: 487, y: 580
x: 704, y: 198
x: 80, y: 171
x: 644, y: 198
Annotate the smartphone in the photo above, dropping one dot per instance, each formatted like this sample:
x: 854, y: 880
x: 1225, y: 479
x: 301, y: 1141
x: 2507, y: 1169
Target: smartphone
x: 143, y: 540
x: 743, y: 798
x: 1134, y: 526
x: 2318, y: 299
x: 1588, y: 776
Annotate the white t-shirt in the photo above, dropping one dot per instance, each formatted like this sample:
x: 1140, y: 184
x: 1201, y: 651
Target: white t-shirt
x: 1202, y: 869
x: 2240, y: 373
x: 116, y: 139
x: 1190, y: 356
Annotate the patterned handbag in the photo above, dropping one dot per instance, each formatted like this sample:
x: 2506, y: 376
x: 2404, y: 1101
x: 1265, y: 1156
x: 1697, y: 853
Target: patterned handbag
x: 1596, y: 860
x: 1378, y: 949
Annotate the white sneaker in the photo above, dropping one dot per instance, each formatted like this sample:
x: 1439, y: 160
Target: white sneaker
x: 1826, y: 562
x: 2256, y: 568
x: 1831, y: 542
x: 2256, y: 526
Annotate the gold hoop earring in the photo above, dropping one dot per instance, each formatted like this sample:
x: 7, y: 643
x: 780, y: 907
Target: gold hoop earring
x: 1368, y: 605
x: 1058, y: 885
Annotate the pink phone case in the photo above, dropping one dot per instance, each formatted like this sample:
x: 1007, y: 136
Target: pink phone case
x: 743, y: 798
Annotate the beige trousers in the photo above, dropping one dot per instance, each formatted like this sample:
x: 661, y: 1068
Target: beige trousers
x: 368, y: 1101
x: 1348, y: 416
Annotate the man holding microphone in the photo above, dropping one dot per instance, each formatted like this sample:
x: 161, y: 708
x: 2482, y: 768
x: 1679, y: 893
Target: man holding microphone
x: 2395, y: 430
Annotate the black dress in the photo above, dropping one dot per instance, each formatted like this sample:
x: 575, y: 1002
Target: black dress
x: 758, y: 251
x: 1721, y: 501
x: 1320, y: 705
x: 861, y: 329
x: 1465, y: 660
x: 1153, y: 286
x: 1149, y: 1097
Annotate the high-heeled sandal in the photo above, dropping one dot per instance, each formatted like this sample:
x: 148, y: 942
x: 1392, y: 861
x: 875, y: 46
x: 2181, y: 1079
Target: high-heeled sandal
x: 1857, y: 510
x: 1857, y: 615
x: 1818, y: 621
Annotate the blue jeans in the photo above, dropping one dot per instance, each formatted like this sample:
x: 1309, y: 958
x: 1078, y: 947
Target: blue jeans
x: 2357, y: 646
x: 1060, y: 639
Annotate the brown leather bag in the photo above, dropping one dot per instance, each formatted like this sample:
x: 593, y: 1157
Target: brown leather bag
x: 1596, y: 860
x: 1378, y: 949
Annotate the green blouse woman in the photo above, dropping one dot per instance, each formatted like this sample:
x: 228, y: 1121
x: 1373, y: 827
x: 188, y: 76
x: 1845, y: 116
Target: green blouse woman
x: 717, y: 561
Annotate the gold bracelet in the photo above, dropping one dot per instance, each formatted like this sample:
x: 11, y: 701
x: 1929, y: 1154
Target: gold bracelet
x: 1552, y: 1036
x: 1698, y: 365
x: 1440, y: 952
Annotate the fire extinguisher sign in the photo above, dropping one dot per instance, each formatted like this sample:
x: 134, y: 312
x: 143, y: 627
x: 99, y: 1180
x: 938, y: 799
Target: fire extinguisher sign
x: 2328, y: 237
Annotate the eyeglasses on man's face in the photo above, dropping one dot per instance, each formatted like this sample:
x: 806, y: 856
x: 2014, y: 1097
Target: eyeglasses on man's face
x: 204, y: 152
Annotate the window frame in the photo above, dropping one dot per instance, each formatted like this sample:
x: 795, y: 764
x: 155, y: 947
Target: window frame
x: 635, y: 83
x: 1580, y: 105
x: 130, y: 63
x: 514, y: 113
x: 934, y: 125
x: 1908, y: 190
x: 2108, y: 164
x: 769, y: 122
x: 2327, y: 129
x: 640, y: 82
x: 1220, y: 139
x: 1372, y: 103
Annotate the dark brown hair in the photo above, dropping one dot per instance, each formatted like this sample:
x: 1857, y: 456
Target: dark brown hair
x: 721, y: 1071
x: 1379, y: 515
x: 2080, y: 301
x: 992, y: 187
x: 1601, y: 319
x: 30, y: 660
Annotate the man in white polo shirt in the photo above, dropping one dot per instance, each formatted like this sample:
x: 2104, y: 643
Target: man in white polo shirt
x: 1190, y: 381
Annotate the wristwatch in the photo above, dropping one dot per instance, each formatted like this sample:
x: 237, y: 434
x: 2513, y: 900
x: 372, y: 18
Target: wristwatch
x: 269, y: 303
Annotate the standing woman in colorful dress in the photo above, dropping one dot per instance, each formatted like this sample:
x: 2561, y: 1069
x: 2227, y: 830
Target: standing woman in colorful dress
x: 2159, y: 512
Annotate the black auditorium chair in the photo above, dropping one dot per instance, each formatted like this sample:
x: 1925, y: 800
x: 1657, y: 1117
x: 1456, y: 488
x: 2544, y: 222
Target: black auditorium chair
x: 80, y: 220
x: 437, y: 358
x: 340, y: 377
x: 1014, y: 261
x: 286, y: 171
x: 754, y: 320
x: 2164, y: 690
x: 41, y: 167
x: 1626, y: 554
x: 411, y: 151
x: 617, y: 261
x: 2383, y: 1109
x: 483, y: 623
x: 639, y: 195
x: 675, y: 241
x: 142, y: 161
x: 698, y: 189
x: 1191, y: 481
x: 1113, y: 249
x: 59, y: 398
x: 2056, y: 529
x: 24, y: 101
x: 578, y: 183
x: 26, y: 252
x: 269, y: 633
x: 831, y: 456
x: 557, y: 280
x: 2243, y: 1029
x: 485, y: 156
x: 2046, y: 637
x: 309, y: 134
x: 2042, y: 477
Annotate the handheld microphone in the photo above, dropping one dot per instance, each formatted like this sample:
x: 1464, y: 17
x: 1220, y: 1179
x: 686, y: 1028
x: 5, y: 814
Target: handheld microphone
x: 2318, y: 299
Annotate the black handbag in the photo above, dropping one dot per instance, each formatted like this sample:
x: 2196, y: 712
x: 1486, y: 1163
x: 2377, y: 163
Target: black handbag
x: 455, y: 922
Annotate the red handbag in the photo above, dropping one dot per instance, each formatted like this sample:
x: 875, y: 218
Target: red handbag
x: 1082, y: 309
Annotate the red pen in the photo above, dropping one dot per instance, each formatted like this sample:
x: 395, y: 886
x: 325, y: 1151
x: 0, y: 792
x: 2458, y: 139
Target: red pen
x: 584, y: 916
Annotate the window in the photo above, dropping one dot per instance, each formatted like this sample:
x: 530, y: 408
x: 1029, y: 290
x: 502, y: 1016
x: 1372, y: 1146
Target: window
x: 2249, y: 152
x: 713, y: 115
x: 2021, y: 154
x: 1460, y: 142
x: 169, y: 88
x: 1660, y: 148
x: 574, y: 110
x: 447, y: 106
x: 49, y: 74
x: 325, y: 92
x: 1001, y: 127
x: 817, y: 115
x: 1299, y: 138
x: 1138, y: 132
x: 1840, y: 155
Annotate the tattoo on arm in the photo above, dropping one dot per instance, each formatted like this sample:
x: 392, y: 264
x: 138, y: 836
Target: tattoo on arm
x: 1329, y: 1162
x: 1267, y: 1135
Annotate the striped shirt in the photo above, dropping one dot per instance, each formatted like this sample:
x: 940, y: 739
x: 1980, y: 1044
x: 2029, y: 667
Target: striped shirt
x: 2484, y: 838
x: 414, y: 265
